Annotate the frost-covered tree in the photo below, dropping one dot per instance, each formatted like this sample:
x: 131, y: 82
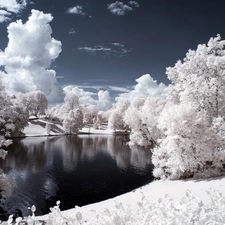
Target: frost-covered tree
x: 34, y: 102
x: 16, y: 116
x: 53, y: 114
x: 142, y: 118
x: 41, y: 102
x: 71, y: 101
x: 115, y: 120
x: 90, y: 114
x: 8, y: 117
x: 73, y: 121
x: 193, y: 120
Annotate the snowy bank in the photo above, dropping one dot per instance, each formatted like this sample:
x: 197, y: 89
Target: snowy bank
x: 127, y: 208
x: 37, y: 127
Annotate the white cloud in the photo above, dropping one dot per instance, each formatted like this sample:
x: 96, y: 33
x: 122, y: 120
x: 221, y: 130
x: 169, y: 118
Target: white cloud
x: 4, y: 15
x: 119, y: 89
x: 85, y: 97
x: 104, y: 100
x: 13, y: 5
x: 145, y: 86
x: 78, y: 10
x: 7, y: 7
x: 101, y: 99
x: 118, y: 44
x: 72, y: 31
x: 113, y: 48
x: 134, y: 3
x: 95, y: 49
x: 119, y: 8
x: 28, y: 57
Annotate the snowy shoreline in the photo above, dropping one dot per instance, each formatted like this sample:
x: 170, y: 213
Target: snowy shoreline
x: 37, y: 128
x: 151, y: 192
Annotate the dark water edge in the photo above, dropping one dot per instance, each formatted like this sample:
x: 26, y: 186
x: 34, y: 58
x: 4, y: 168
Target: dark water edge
x: 75, y: 170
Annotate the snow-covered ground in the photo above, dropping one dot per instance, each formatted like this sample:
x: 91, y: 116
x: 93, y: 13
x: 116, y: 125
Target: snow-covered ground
x: 37, y: 127
x: 160, y: 202
x: 108, y: 210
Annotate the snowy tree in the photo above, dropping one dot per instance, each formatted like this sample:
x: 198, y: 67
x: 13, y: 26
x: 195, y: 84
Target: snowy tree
x: 17, y: 118
x: 73, y: 121
x: 8, y: 117
x: 193, y: 120
x: 41, y: 102
x: 115, y: 121
x: 53, y: 114
x: 90, y: 114
x: 34, y: 102
x: 142, y: 118
x: 71, y: 101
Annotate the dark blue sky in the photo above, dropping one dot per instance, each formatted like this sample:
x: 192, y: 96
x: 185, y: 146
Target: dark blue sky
x: 100, y: 48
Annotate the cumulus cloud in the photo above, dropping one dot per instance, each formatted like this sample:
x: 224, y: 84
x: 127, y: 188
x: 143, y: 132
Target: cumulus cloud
x: 101, y: 99
x: 4, y: 15
x: 112, y: 48
x: 78, y: 10
x: 104, y: 100
x: 145, y: 86
x: 85, y: 97
x: 7, y: 7
x: 28, y: 57
x: 119, y: 8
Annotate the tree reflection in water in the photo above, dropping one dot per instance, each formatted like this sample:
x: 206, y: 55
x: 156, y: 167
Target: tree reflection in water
x: 77, y: 170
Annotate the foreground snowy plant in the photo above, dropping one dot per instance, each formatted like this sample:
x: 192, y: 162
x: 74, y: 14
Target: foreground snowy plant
x: 189, y: 210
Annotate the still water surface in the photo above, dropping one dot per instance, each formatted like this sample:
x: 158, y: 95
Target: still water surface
x: 75, y: 170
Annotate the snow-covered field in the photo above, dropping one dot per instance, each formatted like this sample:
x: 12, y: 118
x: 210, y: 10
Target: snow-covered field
x: 160, y: 202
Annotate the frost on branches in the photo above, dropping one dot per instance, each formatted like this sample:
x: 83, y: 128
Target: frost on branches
x: 9, y: 122
x: 193, y: 119
x: 115, y: 121
x: 142, y: 118
x: 72, y: 114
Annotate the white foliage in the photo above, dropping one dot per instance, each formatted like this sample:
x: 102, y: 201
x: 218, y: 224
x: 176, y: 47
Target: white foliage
x: 89, y: 114
x: 115, y: 120
x: 73, y: 121
x: 142, y: 118
x: 34, y: 102
x: 193, y: 119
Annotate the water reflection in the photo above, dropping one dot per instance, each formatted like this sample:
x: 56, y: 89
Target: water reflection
x: 26, y: 154
x: 47, y: 169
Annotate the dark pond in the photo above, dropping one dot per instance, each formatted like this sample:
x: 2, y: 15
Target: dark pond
x: 75, y: 170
